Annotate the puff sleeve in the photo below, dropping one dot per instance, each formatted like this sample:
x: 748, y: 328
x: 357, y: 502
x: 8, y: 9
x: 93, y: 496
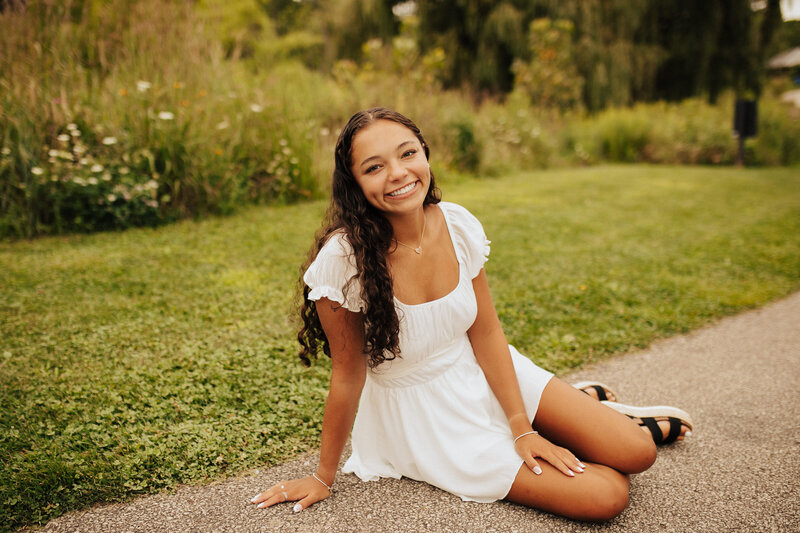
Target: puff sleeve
x: 469, y: 239
x: 328, y: 275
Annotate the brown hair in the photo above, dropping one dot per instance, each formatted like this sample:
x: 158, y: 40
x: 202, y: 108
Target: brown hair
x: 370, y: 235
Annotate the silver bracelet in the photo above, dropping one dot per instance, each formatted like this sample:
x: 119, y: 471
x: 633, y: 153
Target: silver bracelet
x: 534, y: 432
x: 320, y: 480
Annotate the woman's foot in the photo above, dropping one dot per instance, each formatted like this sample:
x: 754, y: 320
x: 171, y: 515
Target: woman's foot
x: 664, y: 423
x: 598, y: 391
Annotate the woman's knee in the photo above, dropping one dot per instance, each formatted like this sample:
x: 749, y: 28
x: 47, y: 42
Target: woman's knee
x: 641, y: 453
x: 608, y: 503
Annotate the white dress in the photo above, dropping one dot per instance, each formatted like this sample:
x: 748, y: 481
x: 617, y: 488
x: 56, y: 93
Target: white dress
x: 430, y: 415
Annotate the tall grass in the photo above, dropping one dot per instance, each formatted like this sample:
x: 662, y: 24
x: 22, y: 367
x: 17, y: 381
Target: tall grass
x: 120, y: 113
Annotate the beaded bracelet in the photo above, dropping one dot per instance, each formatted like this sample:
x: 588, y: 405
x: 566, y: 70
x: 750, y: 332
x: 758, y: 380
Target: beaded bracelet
x: 320, y: 480
x: 534, y: 432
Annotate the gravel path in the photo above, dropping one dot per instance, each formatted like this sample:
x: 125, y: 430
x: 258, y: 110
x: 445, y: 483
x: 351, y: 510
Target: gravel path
x: 740, y: 471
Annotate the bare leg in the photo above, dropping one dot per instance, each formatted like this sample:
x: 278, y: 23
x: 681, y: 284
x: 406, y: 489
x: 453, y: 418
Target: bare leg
x: 609, y: 443
x: 592, y: 431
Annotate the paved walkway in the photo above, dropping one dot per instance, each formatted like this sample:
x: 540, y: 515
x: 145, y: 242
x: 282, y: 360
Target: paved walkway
x: 739, y: 472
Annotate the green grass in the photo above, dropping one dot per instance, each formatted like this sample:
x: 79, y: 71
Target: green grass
x: 131, y: 362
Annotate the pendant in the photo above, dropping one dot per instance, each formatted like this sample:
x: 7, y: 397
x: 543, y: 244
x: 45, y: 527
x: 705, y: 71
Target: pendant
x: 418, y: 249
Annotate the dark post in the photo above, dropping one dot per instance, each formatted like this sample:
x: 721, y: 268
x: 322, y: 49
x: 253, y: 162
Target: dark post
x: 745, y: 120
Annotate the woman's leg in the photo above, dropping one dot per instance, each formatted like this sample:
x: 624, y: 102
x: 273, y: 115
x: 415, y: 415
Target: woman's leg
x: 610, y: 445
x: 592, y: 431
x: 599, y: 493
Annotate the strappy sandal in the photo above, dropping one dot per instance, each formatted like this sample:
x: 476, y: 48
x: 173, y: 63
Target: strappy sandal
x: 604, y: 392
x: 650, y: 416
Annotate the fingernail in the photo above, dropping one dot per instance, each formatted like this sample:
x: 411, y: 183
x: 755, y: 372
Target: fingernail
x: 582, y: 465
x: 537, y: 470
x: 255, y: 498
x: 579, y: 469
x: 570, y: 473
x: 687, y: 434
x: 297, y: 508
x: 261, y: 505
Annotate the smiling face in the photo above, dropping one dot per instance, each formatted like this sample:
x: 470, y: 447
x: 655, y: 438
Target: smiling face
x: 389, y: 164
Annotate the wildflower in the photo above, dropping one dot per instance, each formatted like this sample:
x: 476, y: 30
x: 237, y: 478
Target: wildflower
x: 165, y: 115
x: 223, y: 125
x: 6, y: 150
x: 293, y: 161
x: 151, y: 184
x: 84, y: 161
x: 324, y: 132
x: 92, y: 181
x: 286, y: 151
x: 75, y: 133
x: 52, y: 153
x: 185, y: 103
x: 96, y: 168
x: 108, y: 141
x: 54, y: 178
x: 123, y: 92
x: 79, y: 181
x: 202, y: 93
x: 63, y: 154
x: 111, y: 198
x: 79, y: 149
x: 151, y: 203
x: 218, y: 151
x: 255, y: 108
x: 283, y: 142
x: 72, y: 126
x: 63, y: 137
x: 37, y: 171
x: 124, y: 170
x: 106, y: 176
x: 143, y: 86
x: 177, y: 85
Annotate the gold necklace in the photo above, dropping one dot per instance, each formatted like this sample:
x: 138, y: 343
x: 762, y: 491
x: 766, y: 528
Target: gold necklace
x: 418, y: 249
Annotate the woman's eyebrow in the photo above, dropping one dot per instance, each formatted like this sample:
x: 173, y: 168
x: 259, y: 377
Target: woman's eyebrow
x: 399, y: 147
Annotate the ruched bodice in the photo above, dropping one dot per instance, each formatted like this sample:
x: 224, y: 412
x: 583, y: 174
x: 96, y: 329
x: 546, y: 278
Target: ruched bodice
x: 430, y: 414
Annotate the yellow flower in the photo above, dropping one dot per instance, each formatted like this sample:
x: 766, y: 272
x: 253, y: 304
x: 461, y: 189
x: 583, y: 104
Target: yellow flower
x: 123, y: 92
x: 218, y: 151
x: 37, y: 171
x: 177, y: 85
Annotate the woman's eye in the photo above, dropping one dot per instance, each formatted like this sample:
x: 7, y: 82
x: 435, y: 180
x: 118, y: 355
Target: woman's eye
x: 371, y: 169
x: 409, y: 153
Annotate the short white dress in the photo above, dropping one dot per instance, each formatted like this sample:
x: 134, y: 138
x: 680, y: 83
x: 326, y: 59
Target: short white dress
x: 429, y: 414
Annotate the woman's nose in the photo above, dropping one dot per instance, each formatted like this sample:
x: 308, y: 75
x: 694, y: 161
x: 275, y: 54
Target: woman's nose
x: 396, y: 170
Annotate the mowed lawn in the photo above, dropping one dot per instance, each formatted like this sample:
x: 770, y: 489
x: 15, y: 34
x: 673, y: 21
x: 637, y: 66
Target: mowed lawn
x: 131, y: 362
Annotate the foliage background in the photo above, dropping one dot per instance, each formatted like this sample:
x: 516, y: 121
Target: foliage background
x: 121, y: 113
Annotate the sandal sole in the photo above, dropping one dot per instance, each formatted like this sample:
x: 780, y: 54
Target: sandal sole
x: 655, y: 411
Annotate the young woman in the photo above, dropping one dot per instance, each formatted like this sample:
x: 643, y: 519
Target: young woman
x: 397, y: 296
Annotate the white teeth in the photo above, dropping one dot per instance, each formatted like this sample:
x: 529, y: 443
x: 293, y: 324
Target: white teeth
x: 404, y: 190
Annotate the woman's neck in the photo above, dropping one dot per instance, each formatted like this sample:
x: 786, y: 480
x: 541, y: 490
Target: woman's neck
x: 408, y: 227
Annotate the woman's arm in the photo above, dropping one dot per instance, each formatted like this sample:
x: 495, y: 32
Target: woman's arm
x: 491, y: 350
x: 344, y: 330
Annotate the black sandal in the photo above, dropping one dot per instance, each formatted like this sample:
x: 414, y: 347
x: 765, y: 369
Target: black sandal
x: 603, y: 391
x: 650, y: 416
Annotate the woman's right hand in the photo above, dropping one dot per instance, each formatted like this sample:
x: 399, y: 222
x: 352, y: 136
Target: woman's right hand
x: 306, y: 491
x: 534, y: 445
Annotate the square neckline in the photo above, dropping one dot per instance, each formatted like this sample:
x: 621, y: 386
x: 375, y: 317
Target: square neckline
x: 458, y: 262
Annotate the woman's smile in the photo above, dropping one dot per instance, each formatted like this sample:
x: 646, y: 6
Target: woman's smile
x: 403, y: 191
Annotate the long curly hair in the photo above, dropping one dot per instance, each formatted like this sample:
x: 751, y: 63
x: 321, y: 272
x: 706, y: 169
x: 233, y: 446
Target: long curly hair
x: 370, y: 235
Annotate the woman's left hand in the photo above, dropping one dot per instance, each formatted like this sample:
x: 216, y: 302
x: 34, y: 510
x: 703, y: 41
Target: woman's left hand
x: 534, y: 445
x: 307, y: 490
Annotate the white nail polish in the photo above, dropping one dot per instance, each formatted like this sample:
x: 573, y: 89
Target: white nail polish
x: 261, y: 505
x: 579, y: 469
x: 582, y: 465
x: 297, y: 508
x: 255, y: 497
x: 537, y: 470
x: 570, y: 473
x: 687, y: 434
